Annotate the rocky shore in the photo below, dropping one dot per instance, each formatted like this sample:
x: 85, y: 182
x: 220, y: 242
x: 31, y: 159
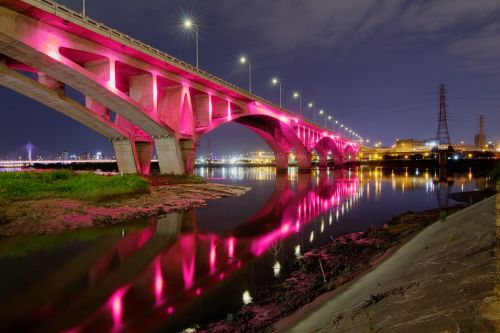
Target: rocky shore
x: 58, y: 215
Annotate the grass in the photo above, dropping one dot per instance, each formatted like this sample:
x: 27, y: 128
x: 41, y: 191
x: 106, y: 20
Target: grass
x: 17, y: 186
x: 162, y: 179
x: 495, y: 176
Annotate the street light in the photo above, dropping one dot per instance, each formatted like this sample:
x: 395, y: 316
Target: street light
x: 244, y: 60
x: 312, y: 105
x: 299, y: 96
x: 329, y: 118
x: 336, y: 122
x: 84, y: 12
x: 276, y: 81
x: 190, y: 25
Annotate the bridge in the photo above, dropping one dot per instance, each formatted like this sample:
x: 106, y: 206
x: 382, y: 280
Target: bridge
x: 139, y: 97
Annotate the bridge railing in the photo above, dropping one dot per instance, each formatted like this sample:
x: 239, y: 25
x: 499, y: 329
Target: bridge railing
x: 70, y: 15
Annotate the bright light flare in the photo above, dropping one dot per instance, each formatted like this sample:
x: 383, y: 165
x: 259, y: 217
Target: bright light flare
x: 243, y: 60
x: 275, y: 80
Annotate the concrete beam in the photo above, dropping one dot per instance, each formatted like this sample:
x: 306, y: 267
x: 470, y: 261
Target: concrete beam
x: 169, y: 155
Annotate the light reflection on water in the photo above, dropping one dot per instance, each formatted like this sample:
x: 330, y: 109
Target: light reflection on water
x: 186, y: 268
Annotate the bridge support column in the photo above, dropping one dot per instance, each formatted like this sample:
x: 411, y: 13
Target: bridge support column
x: 169, y: 155
x: 304, y: 161
x: 281, y: 161
x: 338, y: 160
x: 124, y: 154
x: 188, y: 151
x: 323, y: 160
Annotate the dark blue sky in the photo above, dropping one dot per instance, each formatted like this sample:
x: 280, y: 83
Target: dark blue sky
x: 374, y: 65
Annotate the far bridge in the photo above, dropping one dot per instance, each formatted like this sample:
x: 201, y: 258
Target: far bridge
x: 139, y: 97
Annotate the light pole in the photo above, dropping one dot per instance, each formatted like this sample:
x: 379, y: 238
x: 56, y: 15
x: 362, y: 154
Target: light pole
x: 276, y: 81
x: 313, y: 106
x: 323, y: 112
x: 189, y: 25
x: 336, y: 122
x: 83, y: 9
x: 329, y: 118
x: 299, y: 96
x: 244, y: 60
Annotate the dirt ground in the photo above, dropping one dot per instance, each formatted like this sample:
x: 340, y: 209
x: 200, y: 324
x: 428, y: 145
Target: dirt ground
x: 58, y: 215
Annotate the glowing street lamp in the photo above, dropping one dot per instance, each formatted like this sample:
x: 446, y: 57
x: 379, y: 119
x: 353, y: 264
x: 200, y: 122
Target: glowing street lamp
x: 276, y: 81
x: 329, y: 118
x: 299, y: 96
x: 244, y: 60
x: 336, y: 122
x: 190, y: 25
x: 313, y: 106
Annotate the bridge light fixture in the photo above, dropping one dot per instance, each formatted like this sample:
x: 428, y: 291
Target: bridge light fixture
x: 299, y: 96
x: 276, y: 81
x: 189, y: 24
x: 321, y: 111
x: 244, y: 60
x: 313, y: 106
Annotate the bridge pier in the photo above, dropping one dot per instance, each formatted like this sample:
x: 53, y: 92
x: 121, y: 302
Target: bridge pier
x: 169, y: 155
x: 304, y: 161
x: 323, y: 160
x: 281, y: 161
x: 188, y: 152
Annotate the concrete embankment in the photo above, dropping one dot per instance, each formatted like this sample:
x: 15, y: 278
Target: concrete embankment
x: 445, y: 279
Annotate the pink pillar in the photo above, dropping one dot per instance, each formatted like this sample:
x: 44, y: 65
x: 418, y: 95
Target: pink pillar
x: 323, y: 158
x: 143, y: 154
x: 281, y: 159
x: 304, y: 161
x: 188, y: 152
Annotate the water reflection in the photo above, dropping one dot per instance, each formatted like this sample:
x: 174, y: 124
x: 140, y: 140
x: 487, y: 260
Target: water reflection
x: 165, y: 272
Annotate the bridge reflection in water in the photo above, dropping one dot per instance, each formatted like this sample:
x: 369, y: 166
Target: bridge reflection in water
x: 158, y: 272
x: 175, y: 270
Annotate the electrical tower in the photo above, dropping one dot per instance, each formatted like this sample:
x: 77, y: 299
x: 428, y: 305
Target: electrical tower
x: 442, y: 135
x: 480, y: 138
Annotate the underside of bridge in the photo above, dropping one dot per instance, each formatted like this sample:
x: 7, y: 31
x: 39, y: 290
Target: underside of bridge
x: 136, y: 102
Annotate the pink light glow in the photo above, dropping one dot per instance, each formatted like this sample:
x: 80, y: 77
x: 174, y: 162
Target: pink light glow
x: 158, y: 283
x: 188, y: 260
x: 221, y: 276
x: 213, y: 255
x: 170, y: 310
x: 155, y: 93
x: 115, y: 304
x: 228, y: 110
x: 230, y: 247
x: 112, y: 75
x: 198, y: 291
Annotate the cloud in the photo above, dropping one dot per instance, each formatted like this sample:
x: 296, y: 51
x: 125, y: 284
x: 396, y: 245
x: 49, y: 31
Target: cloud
x: 290, y: 28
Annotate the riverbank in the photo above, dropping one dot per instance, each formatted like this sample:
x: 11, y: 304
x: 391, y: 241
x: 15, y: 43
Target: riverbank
x: 446, y: 279
x: 330, y: 269
x: 47, y: 210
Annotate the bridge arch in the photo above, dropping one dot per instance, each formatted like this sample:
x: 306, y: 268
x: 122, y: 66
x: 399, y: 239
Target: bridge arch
x: 329, y: 147
x: 280, y: 137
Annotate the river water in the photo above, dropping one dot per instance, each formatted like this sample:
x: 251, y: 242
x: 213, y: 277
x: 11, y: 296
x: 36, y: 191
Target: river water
x: 170, y: 273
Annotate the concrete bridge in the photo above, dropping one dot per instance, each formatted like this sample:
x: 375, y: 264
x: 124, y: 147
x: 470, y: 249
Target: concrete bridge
x: 139, y: 97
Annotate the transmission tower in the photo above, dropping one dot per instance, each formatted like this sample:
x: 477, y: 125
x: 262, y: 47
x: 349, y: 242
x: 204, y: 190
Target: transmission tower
x: 480, y: 138
x: 442, y: 135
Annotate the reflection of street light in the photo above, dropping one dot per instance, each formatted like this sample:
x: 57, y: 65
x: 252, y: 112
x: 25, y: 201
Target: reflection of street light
x: 244, y: 60
x: 299, y: 96
x: 313, y: 106
x: 189, y: 25
x: 275, y: 81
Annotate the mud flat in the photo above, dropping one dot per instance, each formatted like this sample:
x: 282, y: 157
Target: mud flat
x: 57, y: 215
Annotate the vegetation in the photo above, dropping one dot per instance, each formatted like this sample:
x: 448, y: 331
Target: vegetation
x: 171, y: 179
x: 495, y: 176
x: 15, y: 186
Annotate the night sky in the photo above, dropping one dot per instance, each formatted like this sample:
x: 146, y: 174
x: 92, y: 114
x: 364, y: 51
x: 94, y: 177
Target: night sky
x: 375, y: 65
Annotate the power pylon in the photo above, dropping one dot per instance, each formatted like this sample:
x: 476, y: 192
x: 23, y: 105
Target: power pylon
x: 442, y: 135
x: 480, y: 138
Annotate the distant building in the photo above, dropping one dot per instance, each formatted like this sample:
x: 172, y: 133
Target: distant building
x: 85, y: 156
x: 65, y: 156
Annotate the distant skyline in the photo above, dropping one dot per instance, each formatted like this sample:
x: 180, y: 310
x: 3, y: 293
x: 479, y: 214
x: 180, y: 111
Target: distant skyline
x: 374, y: 65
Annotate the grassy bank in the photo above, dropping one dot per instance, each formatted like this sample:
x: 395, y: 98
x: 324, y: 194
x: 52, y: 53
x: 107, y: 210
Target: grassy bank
x: 17, y: 186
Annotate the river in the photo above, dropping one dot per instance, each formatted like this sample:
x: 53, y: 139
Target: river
x: 172, y: 272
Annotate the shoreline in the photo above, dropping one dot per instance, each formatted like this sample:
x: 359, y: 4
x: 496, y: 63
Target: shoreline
x: 329, y: 270
x: 48, y: 216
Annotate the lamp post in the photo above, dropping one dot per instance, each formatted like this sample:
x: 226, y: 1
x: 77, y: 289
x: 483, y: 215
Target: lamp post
x: 329, y: 118
x: 299, y: 96
x: 244, y: 60
x: 190, y: 25
x: 84, y: 12
x: 276, y: 81
x: 313, y: 106
x: 336, y: 122
x: 323, y: 112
